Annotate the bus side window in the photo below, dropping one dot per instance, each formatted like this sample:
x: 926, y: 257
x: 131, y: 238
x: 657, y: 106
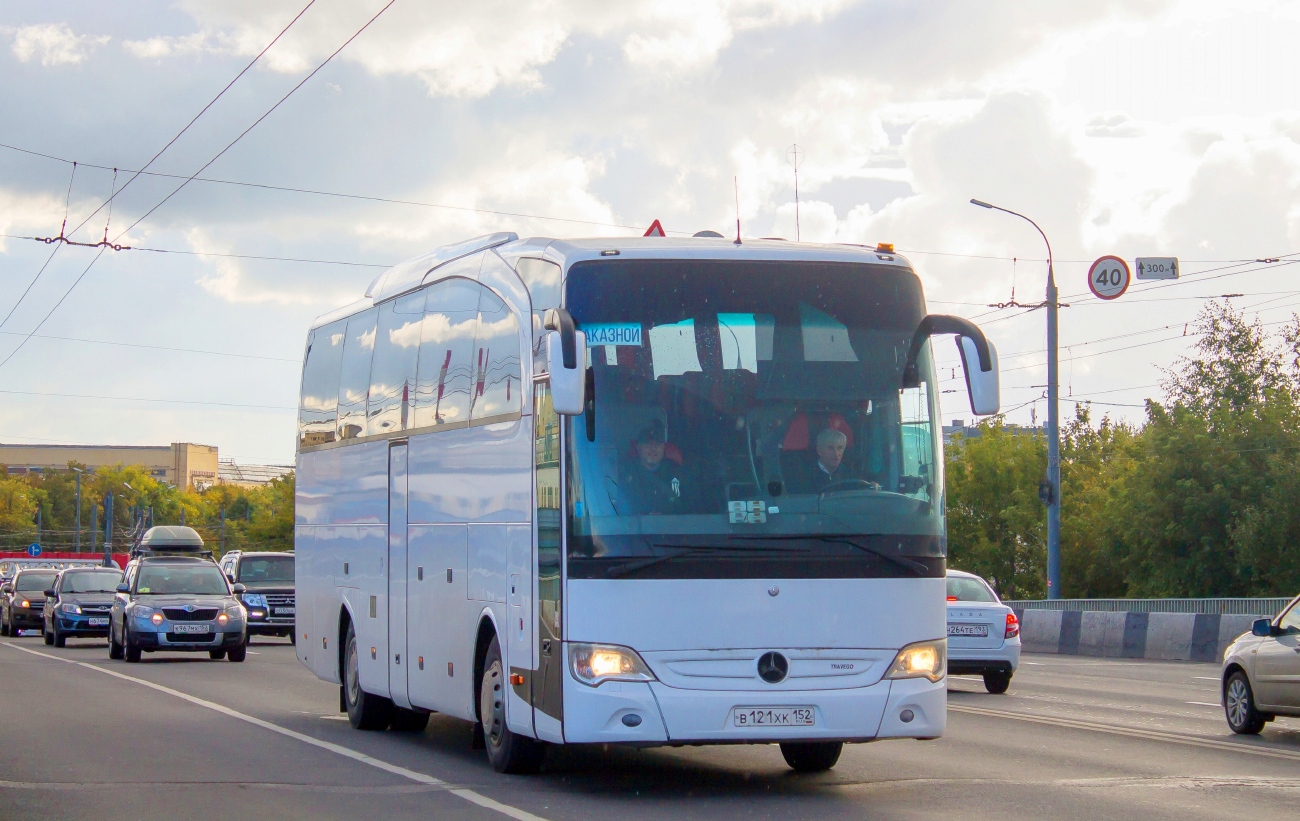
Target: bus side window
x: 354, y: 383
x: 497, y: 371
x: 392, y: 374
x: 320, y: 385
x: 446, y: 367
x: 543, y: 281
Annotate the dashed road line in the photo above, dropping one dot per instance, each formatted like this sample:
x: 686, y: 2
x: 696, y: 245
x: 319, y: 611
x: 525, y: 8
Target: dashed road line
x: 338, y: 749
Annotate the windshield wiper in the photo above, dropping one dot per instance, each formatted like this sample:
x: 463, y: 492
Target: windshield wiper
x: 914, y: 566
x: 631, y: 567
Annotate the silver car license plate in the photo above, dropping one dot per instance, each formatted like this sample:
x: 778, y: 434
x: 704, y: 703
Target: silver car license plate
x: 977, y: 630
x: 98, y: 622
x: 191, y: 628
x: 773, y: 717
x: 283, y: 611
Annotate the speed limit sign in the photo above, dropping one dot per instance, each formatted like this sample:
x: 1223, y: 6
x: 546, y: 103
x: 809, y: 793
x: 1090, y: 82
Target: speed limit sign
x: 1108, y: 277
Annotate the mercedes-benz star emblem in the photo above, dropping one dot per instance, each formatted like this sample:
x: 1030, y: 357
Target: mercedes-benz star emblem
x: 772, y: 667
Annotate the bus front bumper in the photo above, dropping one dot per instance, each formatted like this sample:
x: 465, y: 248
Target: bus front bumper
x: 653, y: 713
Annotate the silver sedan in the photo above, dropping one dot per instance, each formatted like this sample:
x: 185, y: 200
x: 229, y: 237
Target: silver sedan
x: 1261, y: 672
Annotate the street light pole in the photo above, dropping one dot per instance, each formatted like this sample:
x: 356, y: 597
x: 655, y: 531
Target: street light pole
x: 1053, y: 418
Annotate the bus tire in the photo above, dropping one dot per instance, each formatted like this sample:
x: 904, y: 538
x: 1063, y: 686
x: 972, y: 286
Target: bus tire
x: 507, y: 752
x: 365, y: 711
x: 811, y: 756
x: 409, y: 721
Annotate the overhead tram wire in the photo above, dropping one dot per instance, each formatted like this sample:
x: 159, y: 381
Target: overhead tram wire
x: 362, y: 197
x: 230, y: 145
x: 148, y: 399
x: 66, y: 203
x: 196, y: 117
x: 158, y: 347
x: 241, y: 256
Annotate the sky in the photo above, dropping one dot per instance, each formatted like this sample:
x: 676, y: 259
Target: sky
x: 1139, y: 128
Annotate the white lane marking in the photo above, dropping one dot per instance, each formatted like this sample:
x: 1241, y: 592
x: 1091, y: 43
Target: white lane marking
x: 334, y: 718
x: 338, y: 749
x: 1150, y: 735
x: 1207, y: 678
x: 254, y: 653
x: 1035, y: 663
x: 1205, y: 704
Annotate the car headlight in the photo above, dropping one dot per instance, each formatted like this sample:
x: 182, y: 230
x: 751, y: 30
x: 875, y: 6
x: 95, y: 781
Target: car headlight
x: 141, y: 611
x: 594, y: 664
x: 156, y: 618
x: 235, y: 612
x: 254, y: 600
x: 24, y: 603
x: 923, y: 659
x: 71, y: 607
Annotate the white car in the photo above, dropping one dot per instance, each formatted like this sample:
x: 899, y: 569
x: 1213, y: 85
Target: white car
x: 983, y: 633
x: 1261, y: 672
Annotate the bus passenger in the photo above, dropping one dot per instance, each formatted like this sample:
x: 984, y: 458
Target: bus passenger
x: 650, y: 483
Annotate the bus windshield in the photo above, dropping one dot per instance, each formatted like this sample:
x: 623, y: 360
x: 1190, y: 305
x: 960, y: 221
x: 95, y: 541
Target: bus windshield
x: 752, y: 411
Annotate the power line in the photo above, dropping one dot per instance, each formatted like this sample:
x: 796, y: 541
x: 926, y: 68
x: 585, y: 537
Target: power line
x: 204, y: 110
x: 242, y: 134
x: 157, y: 347
x: 231, y: 256
x: 144, y: 399
x: 343, y: 195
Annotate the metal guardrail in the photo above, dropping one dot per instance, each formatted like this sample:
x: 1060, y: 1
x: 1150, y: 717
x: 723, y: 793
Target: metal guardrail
x: 1226, y: 607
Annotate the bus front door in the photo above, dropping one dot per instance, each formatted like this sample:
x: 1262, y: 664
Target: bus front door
x: 397, y: 574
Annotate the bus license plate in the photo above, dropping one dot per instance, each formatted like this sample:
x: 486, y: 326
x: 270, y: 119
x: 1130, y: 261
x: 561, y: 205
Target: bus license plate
x: 99, y: 622
x: 977, y: 630
x: 191, y: 628
x: 773, y: 717
x: 283, y: 611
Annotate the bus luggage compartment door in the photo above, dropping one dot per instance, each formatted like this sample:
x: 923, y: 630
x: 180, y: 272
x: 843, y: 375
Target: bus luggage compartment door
x: 398, y: 662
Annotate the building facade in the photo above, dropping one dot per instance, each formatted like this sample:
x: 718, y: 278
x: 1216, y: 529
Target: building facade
x: 183, y: 464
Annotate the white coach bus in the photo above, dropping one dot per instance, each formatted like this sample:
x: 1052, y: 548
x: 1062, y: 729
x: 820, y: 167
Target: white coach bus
x: 639, y: 491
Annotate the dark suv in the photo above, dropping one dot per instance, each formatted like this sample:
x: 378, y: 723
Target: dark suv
x: 268, y: 590
x: 23, y: 600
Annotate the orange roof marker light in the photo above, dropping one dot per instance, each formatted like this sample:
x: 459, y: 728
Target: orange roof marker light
x: 655, y: 230
x: 885, y: 247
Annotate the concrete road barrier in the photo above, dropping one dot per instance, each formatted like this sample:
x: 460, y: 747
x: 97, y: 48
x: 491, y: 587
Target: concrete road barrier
x: 1170, y: 636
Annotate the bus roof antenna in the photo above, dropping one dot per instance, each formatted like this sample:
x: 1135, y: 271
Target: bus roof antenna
x: 736, y: 181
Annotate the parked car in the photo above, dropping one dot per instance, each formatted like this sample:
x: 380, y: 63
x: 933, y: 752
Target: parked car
x: 269, y: 590
x: 176, y: 603
x: 1261, y: 672
x: 23, y: 600
x: 77, y: 604
x: 983, y: 633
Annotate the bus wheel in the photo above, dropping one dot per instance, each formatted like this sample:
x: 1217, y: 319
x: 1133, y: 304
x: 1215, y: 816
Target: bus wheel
x: 365, y: 712
x: 506, y: 751
x: 812, y: 756
x: 409, y: 721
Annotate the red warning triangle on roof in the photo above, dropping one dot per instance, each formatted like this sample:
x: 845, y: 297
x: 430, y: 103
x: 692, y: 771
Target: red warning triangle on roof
x: 655, y: 230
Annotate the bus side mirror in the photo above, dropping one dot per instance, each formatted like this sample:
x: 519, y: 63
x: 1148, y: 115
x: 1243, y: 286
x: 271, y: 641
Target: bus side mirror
x: 982, y: 386
x: 566, y: 361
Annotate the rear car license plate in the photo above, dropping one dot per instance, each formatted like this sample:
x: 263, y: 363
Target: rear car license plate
x: 773, y: 717
x: 94, y: 622
x: 283, y: 611
x: 191, y: 628
x: 978, y: 630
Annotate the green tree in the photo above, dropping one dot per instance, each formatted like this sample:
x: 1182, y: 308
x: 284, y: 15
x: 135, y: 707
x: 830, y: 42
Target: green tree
x: 997, y: 527
x: 1094, y: 464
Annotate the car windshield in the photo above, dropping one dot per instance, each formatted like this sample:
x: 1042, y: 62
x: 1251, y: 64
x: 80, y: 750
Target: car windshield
x: 91, y: 581
x: 752, y: 405
x: 963, y: 588
x: 266, y: 569
x: 34, y: 581
x: 202, y: 580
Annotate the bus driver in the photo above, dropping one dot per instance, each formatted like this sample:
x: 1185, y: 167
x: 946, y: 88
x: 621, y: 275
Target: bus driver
x: 650, y: 483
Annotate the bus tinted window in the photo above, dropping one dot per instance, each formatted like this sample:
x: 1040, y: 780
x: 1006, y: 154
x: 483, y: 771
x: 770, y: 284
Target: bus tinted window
x: 354, y: 384
x: 392, y: 374
x: 446, y: 366
x: 320, y: 384
x: 496, y: 359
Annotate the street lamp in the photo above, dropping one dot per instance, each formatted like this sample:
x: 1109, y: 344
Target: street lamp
x: 77, y: 538
x: 1053, y: 419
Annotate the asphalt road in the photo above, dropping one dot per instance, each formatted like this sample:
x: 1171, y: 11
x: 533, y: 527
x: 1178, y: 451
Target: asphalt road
x: 180, y: 736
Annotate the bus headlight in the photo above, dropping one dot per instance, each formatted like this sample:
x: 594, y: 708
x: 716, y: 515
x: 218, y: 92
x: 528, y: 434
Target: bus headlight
x: 923, y: 659
x: 593, y: 664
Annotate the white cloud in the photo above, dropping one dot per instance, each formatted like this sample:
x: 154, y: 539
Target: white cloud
x: 228, y: 281
x: 157, y: 47
x: 54, y: 44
